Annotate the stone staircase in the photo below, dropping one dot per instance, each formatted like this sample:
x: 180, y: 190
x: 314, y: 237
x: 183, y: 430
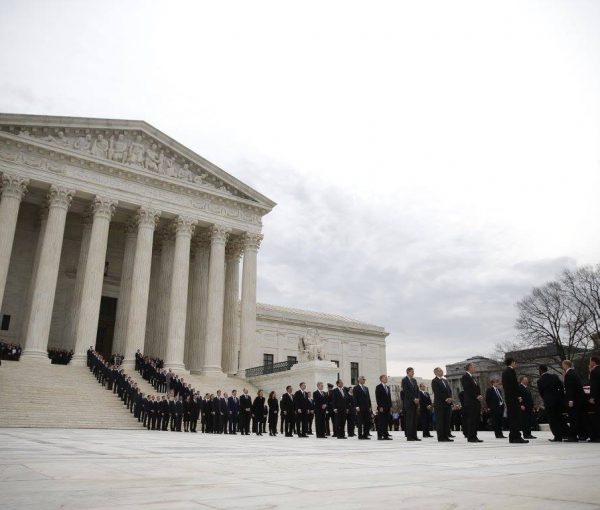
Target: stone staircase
x: 58, y: 396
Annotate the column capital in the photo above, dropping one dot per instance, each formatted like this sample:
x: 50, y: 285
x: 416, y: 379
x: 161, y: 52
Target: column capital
x: 87, y: 219
x: 131, y: 227
x: 252, y: 241
x: 234, y: 249
x: 219, y: 234
x: 184, y: 226
x: 147, y: 217
x: 14, y: 186
x: 59, y: 197
x: 103, y: 207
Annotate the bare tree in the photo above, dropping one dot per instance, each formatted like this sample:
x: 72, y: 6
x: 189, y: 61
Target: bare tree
x: 583, y: 289
x: 549, y: 315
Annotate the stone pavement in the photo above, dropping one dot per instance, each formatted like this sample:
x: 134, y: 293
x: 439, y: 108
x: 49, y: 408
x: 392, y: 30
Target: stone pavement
x: 134, y: 469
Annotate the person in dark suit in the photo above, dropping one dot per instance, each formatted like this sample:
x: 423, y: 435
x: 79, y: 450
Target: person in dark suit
x: 178, y: 413
x: 310, y: 416
x: 233, y: 405
x: 363, y: 408
x: 575, y: 398
x: 595, y: 398
x: 301, y: 411
x: 258, y: 411
x: 410, y: 404
x: 320, y: 399
x: 195, y: 412
x: 513, y: 401
x: 273, y: 404
x: 383, y: 398
x: 472, y: 404
x: 287, y: 411
x: 165, y: 412
x: 551, y: 389
x: 526, y: 407
x: 425, y: 408
x: 442, y: 405
x: 495, y: 403
x: 245, y: 412
x: 341, y: 404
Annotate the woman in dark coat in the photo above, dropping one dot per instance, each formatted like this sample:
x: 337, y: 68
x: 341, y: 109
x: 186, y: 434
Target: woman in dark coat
x: 258, y: 412
x: 273, y: 404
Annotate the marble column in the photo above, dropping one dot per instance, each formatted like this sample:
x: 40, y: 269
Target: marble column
x: 140, y: 284
x: 13, y: 189
x: 214, y: 312
x: 229, y: 358
x: 44, y: 289
x: 164, y: 293
x: 125, y: 288
x: 102, y: 209
x: 179, y: 294
x: 248, y: 304
x: 73, y: 317
x: 153, y: 298
x: 43, y: 218
x: 198, y: 302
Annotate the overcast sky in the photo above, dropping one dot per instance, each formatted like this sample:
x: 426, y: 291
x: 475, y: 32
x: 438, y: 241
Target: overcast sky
x: 431, y: 161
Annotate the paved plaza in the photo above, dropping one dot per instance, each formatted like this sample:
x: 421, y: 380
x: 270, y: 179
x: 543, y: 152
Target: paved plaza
x: 101, y: 469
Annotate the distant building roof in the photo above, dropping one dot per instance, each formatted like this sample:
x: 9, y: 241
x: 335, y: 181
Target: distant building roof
x: 305, y: 316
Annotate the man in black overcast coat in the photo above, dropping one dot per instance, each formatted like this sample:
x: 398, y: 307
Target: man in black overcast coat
x: 595, y: 398
x: 363, y: 408
x: 575, y: 398
x: 495, y: 403
x: 340, y: 402
x: 320, y: 401
x: 442, y: 405
x: 552, y: 392
x: 384, y: 406
x: 301, y: 411
x: 526, y: 407
x: 410, y: 404
x: 472, y: 404
x: 513, y: 401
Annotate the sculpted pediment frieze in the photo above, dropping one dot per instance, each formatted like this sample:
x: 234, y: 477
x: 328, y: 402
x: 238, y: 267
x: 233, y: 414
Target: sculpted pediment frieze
x: 132, y: 148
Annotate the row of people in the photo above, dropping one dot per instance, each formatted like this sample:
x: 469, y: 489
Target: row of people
x: 10, y: 351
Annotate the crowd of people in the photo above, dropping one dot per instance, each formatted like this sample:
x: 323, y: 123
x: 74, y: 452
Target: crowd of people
x: 9, y: 351
x: 60, y: 356
x: 340, y: 411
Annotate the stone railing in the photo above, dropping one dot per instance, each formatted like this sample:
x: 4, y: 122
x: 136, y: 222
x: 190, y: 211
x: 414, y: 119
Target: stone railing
x: 271, y: 368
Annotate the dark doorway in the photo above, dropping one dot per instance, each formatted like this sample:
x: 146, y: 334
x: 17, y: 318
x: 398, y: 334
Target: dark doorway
x: 106, y: 326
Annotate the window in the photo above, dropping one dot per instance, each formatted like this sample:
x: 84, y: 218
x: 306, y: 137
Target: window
x: 5, y: 322
x: 267, y: 359
x: 292, y: 360
x: 353, y: 373
x: 337, y: 363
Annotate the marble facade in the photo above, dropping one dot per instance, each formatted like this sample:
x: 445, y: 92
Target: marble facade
x: 98, y: 213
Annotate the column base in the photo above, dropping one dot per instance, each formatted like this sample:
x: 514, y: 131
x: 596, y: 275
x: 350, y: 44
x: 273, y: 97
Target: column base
x: 33, y: 356
x: 177, y: 367
x: 214, y: 370
x: 79, y: 360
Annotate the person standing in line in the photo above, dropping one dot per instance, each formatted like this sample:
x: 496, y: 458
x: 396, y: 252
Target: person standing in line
x: 258, y: 411
x: 245, y: 412
x: 552, y: 391
x: 472, y: 404
x: 384, y: 406
x: 575, y: 397
x: 300, y: 410
x: 513, y: 401
x: 233, y: 405
x: 287, y: 411
x: 363, y: 408
x: 442, y: 403
x: 410, y: 404
x: 340, y: 403
x: 526, y: 407
x: 595, y: 398
x: 320, y: 400
x: 273, y: 404
x: 495, y: 403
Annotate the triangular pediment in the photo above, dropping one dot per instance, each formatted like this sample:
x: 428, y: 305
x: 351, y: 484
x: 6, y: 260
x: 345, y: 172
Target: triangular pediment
x: 132, y: 143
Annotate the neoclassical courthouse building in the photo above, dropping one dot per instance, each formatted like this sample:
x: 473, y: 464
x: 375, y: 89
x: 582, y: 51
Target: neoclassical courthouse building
x: 112, y: 234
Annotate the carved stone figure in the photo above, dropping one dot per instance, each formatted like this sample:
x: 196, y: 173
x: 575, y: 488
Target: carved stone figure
x: 185, y: 173
x: 24, y: 133
x: 83, y: 143
x: 310, y: 346
x: 62, y: 140
x: 136, y: 152
x: 152, y: 158
x: 167, y: 167
x: 100, y: 147
x: 118, y: 149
